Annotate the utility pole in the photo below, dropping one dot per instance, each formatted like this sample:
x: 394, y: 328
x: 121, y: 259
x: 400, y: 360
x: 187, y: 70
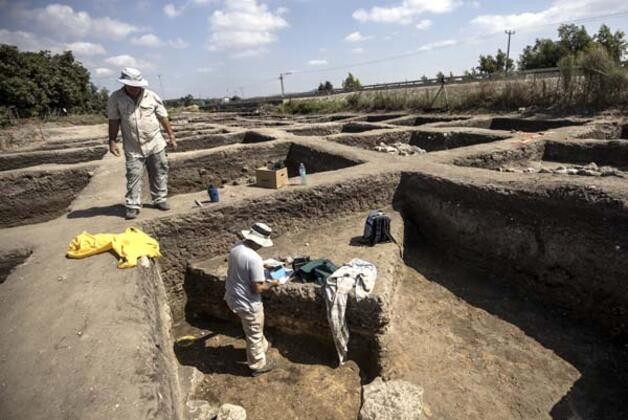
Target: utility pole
x: 161, y: 87
x: 509, y: 33
x: 281, y: 75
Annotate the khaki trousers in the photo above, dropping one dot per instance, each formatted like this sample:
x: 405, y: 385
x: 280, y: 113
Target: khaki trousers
x: 256, y: 343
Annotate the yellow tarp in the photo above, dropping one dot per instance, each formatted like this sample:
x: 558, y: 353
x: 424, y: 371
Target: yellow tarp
x: 129, y: 246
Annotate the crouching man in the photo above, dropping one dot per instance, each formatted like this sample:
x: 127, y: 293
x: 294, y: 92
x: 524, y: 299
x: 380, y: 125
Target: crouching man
x: 139, y: 112
x: 243, y: 292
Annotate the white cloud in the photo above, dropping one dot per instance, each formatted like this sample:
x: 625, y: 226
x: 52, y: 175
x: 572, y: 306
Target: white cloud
x: 476, y: 4
x: 439, y: 44
x: 172, y: 11
x: 282, y: 10
x: 317, y: 62
x: 204, y: 69
x: 64, y: 22
x: 147, y: 40
x: 126, y: 60
x: 356, y: 37
x: 28, y: 41
x: 424, y: 24
x: 102, y: 72
x: 406, y: 11
x: 358, y: 51
x: 559, y: 11
x: 178, y: 44
x: 86, y: 48
x: 245, y: 26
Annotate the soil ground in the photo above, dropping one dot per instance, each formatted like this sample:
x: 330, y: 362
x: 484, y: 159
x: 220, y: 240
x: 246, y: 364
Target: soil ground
x: 482, y: 350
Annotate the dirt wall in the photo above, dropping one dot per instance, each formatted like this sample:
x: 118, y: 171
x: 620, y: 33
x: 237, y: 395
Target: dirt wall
x: 566, y: 245
x: 39, y: 196
x: 613, y: 153
x: 11, y: 259
x: 315, y: 160
x: 10, y: 161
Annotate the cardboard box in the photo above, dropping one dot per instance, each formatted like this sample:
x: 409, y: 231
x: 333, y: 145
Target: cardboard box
x: 268, y: 178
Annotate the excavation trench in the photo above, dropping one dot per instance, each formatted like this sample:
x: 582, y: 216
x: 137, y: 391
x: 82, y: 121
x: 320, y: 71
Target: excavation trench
x: 197, y: 172
x: 210, y: 141
x: 11, y: 259
x: 450, y: 228
x: 17, y: 160
x: 516, y: 124
x: 575, y: 157
x: 35, y: 196
x: 430, y: 141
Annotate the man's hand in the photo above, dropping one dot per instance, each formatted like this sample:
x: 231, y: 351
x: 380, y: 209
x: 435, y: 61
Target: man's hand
x: 172, y: 142
x: 114, y: 148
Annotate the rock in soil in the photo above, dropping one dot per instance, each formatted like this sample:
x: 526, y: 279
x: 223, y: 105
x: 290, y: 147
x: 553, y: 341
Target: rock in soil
x: 395, y: 399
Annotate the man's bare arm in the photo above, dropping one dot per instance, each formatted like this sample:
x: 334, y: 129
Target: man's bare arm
x: 114, y: 127
x: 261, y: 287
x: 165, y: 123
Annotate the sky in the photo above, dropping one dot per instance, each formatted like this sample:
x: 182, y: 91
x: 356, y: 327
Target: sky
x: 215, y: 48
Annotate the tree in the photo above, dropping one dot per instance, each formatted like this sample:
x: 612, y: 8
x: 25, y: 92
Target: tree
x: 490, y: 64
x: 325, y: 87
x: 424, y: 79
x: 188, y: 100
x: 573, y: 39
x: 544, y: 54
x: 351, y: 83
x: 40, y: 83
x: 615, y: 44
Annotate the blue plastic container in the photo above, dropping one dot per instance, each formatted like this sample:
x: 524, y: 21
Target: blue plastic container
x: 214, y: 195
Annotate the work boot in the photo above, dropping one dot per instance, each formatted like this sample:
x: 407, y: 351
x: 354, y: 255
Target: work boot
x: 270, y: 365
x: 162, y: 205
x: 131, y: 213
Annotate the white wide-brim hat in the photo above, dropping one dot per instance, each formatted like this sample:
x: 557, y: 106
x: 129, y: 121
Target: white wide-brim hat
x: 260, y: 234
x: 132, y: 77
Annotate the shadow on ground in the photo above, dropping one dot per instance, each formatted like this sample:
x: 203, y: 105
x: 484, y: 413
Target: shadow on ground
x: 112, y: 210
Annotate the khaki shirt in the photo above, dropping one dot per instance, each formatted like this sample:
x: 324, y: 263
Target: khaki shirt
x: 141, y: 133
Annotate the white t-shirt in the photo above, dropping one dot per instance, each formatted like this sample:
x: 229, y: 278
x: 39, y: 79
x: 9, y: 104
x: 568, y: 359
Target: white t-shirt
x: 246, y: 267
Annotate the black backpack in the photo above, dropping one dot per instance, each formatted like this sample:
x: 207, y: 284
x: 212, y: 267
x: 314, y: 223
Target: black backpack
x: 377, y: 228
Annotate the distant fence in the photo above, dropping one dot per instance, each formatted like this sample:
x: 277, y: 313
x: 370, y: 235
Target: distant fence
x: 409, y: 84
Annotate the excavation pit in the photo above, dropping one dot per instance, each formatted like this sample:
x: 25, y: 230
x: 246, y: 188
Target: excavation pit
x: 296, y: 325
x: 201, y: 142
x: 35, y: 196
x: 518, y: 124
x: 11, y: 259
x: 17, y: 160
x: 575, y: 157
x: 426, y: 119
x: 237, y: 165
x: 430, y: 141
x: 520, y: 231
x: 381, y: 117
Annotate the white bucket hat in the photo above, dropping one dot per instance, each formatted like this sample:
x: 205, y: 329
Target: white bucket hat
x: 132, y: 77
x: 260, y: 234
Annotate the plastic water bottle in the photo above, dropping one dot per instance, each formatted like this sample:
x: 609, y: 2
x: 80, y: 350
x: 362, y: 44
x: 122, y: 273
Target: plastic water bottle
x: 302, y: 173
x: 214, y: 195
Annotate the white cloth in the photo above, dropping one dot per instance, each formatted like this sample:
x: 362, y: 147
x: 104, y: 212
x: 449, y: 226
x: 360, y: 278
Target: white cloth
x: 358, y: 274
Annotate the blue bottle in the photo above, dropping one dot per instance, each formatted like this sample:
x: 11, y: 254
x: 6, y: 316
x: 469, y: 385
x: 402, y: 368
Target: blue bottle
x: 214, y: 195
x: 302, y: 174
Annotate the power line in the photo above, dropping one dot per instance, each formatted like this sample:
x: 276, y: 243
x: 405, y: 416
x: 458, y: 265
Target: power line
x: 424, y: 50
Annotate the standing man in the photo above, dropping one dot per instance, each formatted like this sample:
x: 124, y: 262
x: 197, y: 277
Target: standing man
x: 139, y: 112
x: 243, y: 293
